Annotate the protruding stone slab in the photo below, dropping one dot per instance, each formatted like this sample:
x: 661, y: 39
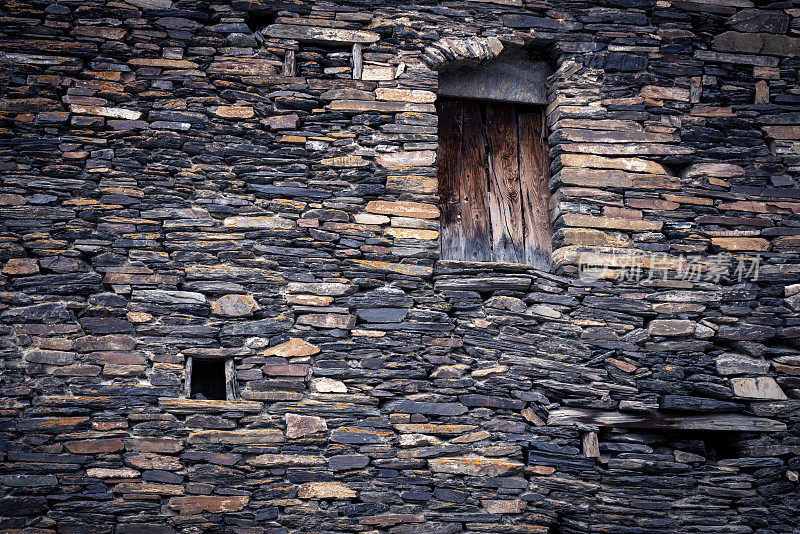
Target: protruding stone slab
x: 191, y: 406
x: 716, y: 422
x: 762, y: 387
x: 318, y: 34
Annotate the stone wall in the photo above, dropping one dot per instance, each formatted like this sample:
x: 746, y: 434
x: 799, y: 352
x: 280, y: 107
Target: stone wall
x: 256, y: 181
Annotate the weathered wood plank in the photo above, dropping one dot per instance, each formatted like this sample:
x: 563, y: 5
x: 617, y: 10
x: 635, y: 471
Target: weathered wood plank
x: 505, y: 207
x: 719, y: 422
x: 358, y: 63
x: 591, y: 445
x: 534, y: 172
x: 449, y: 171
x: 289, y: 64
x: 230, y: 380
x: 474, y: 187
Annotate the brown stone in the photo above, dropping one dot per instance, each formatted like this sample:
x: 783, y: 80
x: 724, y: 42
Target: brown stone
x: 622, y: 164
x: 404, y: 209
x: 292, y: 348
x: 380, y: 107
x: 319, y: 34
x: 656, y: 93
x: 325, y: 490
x: 783, y: 132
x: 741, y: 243
x: 243, y: 66
x: 622, y: 366
x: 197, y: 504
x: 377, y: 73
x: 100, y: 472
x: 404, y: 160
x: 308, y: 300
x: 302, y: 425
x: 163, y: 63
x: 21, y: 266
x: 160, y: 445
x: 405, y: 95
x: 286, y: 460
x: 344, y: 162
x: 503, y: 506
x: 257, y: 223
x: 652, y: 204
x: 472, y: 437
x: 235, y: 306
x: 149, y: 460
x: 671, y: 327
x: 762, y: 387
x: 474, y: 466
x: 412, y: 233
x: 401, y: 268
x: 94, y: 446
x: 580, y: 220
x: 412, y: 183
x: 234, y: 112
x: 616, y: 178
x: 333, y: 289
x: 149, y: 488
x: 103, y: 111
x: 280, y: 369
x: 328, y: 385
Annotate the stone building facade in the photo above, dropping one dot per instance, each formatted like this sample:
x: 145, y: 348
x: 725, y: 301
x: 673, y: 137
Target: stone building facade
x: 244, y: 194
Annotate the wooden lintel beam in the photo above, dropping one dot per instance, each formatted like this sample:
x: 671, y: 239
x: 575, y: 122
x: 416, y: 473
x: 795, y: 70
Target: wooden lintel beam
x: 660, y: 421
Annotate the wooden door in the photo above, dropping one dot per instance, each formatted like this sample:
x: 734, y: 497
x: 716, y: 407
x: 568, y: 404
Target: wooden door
x: 493, y: 175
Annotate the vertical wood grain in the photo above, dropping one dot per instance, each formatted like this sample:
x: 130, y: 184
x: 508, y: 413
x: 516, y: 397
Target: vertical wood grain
x: 474, y: 186
x: 448, y: 171
x: 591, y: 445
x: 230, y: 379
x: 358, y: 63
x: 187, y: 383
x: 505, y: 206
x: 534, y: 171
x: 289, y: 64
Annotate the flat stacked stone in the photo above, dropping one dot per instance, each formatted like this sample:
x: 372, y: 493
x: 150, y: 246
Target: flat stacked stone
x: 255, y: 182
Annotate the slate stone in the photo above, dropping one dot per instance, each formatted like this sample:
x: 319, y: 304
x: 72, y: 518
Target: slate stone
x: 258, y: 183
x: 697, y: 404
x: 260, y: 327
x: 47, y: 313
x: 382, y: 315
x: 24, y: 505
x: 105, y: 325
x: 428, y: 408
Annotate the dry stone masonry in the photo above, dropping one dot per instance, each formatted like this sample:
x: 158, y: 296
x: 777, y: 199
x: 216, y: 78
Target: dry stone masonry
x: 254, y: 182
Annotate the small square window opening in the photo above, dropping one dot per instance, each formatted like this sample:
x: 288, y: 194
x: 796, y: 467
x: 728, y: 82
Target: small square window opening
x: 209, y: 378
